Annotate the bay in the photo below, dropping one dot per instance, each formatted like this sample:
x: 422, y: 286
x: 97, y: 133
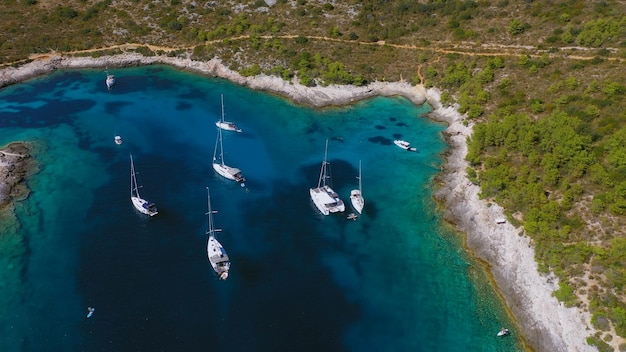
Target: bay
x: 396, y: 279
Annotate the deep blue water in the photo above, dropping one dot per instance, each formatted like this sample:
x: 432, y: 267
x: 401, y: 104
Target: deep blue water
x: 394, y: 280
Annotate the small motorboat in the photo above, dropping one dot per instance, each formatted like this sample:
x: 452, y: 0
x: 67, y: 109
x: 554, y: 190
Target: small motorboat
x: 503, y: 332
x: 118, y: 140
x: 404, y: 145
x: 352, y: 216
x: 90, y: 311
x: 110, y: 81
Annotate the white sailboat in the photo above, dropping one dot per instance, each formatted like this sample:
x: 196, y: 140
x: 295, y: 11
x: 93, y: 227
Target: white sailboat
x: 144, y: 206
x: 231, y: 173
x: 356, y: 195
x: 226, y: 125
x: 215, y: 251
x: 323, y: 196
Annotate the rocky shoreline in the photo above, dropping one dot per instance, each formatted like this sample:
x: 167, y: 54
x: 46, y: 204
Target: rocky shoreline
x: 546, y: 324
x: 16, y: 165
x: 312, y: 96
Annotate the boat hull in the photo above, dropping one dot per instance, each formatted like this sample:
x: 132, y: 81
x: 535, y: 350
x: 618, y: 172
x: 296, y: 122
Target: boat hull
x: 144, y: 206
x: 110, y: 81
x: 326, y: 200
x: 227, y: 126
x: 404, y: 145
x: 357, y: 200
x: 218, y: 258
x: 228, y: 172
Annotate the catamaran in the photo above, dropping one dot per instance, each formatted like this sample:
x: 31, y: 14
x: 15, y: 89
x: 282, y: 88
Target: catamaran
x: 356, y: 196
x: 323, y: 196
x: 144, y: 206
x: 231, y: 173
x: 217, y: 255
x: 226, y: 125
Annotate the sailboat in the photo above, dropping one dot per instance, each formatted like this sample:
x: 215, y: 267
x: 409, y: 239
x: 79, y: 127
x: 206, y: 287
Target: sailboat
x: 324, y: 198
x: 231, y: 173
x: 226, y: 125
x: 356, y: 196
x: 215, y: 251
x: 140, y: 204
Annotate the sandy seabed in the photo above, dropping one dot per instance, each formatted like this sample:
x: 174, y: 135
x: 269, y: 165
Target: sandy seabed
x: 547, y: 324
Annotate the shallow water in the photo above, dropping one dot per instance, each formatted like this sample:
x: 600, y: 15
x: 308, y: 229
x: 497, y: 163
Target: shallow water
x: 395, y: 279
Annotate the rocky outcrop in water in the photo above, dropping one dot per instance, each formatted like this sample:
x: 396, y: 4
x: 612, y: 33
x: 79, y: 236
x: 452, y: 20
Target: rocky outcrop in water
x: 16, y: 164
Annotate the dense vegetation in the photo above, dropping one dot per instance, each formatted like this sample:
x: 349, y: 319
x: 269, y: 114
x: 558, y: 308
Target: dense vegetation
x: 543, y: 81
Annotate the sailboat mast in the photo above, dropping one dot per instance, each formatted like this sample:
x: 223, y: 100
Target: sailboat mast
x: 218, y: 141
x: 134, y: 190
x: 360, y: 177
x: 210, y: 231
x: 220, y: 136
x: 322, y: 179
x: 132, y: 173
x: 222, y: 107
x: 215, y: 150
x: 209, y: 215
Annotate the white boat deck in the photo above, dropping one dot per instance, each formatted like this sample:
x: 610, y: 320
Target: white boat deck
x: 231, y: 173
x: 144, y: 206
x: 326, y: 200
x: 404, y: 145
x: 218, y: 258
x: 228, y: 126
x: 357, y: 200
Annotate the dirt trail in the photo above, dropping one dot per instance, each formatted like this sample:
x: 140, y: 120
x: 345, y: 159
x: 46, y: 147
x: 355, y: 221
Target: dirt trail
x: 419, y: 73
x: 466, y: 48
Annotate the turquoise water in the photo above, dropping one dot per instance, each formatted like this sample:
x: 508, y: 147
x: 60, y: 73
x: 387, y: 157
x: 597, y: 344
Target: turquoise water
x: 394, y: 280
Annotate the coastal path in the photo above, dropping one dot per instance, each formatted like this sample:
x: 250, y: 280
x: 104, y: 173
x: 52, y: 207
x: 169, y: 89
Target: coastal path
x: 443, y: 47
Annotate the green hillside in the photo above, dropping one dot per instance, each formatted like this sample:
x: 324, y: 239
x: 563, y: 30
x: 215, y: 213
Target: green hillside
x: 544, y: 80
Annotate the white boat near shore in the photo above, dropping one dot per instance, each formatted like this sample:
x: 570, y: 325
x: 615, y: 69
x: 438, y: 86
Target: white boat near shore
x: 215, y: 251
x: 323, y: 196
x: 404, y: 145
x: 110, y: 81
x: 226, y: 125
x: 118, y: 140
